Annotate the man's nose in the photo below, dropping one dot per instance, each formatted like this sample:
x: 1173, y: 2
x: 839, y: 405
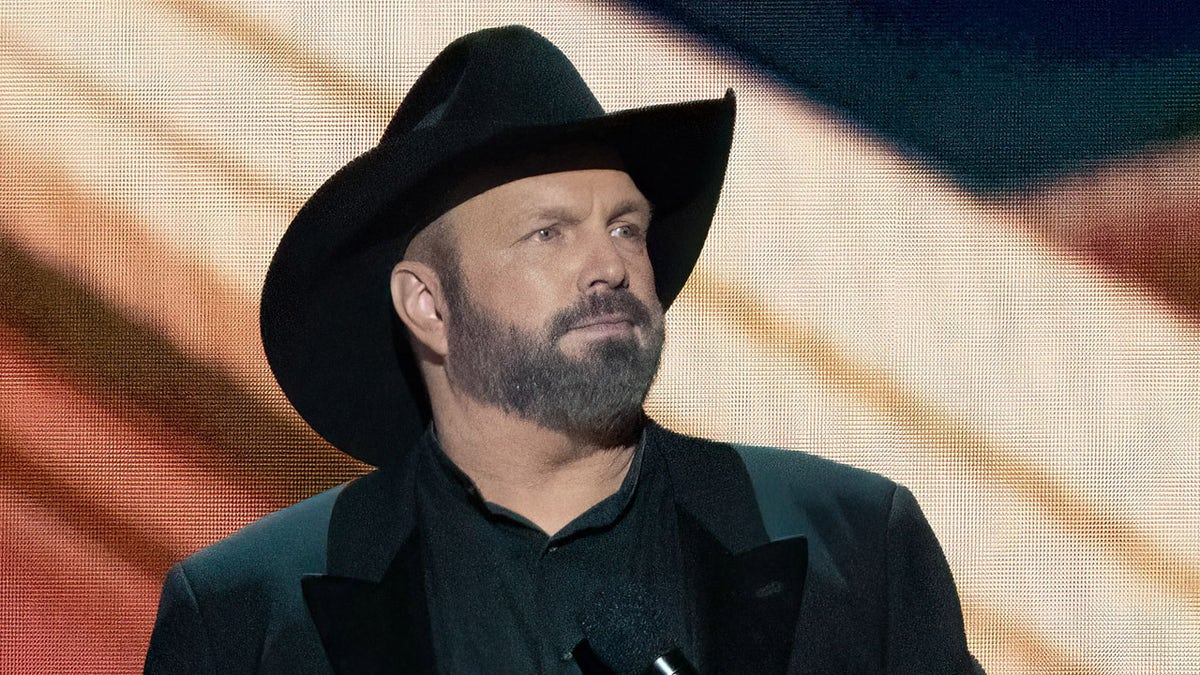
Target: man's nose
x: 603, y: 267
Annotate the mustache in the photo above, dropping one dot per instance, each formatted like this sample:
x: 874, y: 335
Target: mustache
x: 620, y: 303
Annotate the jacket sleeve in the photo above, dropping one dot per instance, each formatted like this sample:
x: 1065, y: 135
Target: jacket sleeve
x: 179, y: 643
x: 924, y: 616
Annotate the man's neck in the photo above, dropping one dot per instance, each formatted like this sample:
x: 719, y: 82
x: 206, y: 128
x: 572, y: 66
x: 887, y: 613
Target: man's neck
x: 546, y: 476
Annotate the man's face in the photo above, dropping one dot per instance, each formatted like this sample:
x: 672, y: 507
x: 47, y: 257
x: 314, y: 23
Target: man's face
x: 552, y: 314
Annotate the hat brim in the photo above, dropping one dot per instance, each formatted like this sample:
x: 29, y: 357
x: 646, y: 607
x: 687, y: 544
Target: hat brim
x: 329, y: 331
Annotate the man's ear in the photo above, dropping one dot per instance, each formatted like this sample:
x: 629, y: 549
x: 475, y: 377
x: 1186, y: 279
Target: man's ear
x: 416, y: 298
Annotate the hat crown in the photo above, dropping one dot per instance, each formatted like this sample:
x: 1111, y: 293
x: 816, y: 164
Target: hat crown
x: 509, y: 77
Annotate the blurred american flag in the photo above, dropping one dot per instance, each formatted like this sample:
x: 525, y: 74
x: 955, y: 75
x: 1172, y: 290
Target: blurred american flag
x: 1014, y: 337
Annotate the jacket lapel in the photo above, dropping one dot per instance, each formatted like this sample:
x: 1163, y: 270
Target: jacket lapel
x: 370, y: 607
x: 371, y: 611
x: 745, y: 590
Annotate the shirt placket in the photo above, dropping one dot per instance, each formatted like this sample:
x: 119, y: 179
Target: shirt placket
x: 557, y: 604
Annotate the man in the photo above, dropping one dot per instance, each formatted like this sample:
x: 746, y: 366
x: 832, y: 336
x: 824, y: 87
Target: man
x: 475, y: 306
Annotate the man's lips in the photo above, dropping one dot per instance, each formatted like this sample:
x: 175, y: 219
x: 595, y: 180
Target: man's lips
x: 605, y: 321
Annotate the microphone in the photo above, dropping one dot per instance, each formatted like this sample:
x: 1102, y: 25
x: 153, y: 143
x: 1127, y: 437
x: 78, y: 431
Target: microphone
x: 628, y: 631
x: 671, y: 663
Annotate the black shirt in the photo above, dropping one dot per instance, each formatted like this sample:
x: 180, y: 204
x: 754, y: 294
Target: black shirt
x: 505, y: 597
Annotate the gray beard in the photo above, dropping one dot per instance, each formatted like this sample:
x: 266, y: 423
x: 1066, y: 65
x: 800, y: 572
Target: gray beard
x: 597, y: 396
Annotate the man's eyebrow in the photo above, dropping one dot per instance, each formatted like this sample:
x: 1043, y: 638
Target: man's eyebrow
x: 553, y: 213
x: 623, y: 208
x: 631, y: 205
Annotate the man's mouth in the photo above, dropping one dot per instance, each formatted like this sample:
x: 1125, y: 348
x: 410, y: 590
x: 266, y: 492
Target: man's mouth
x: 605, y: 321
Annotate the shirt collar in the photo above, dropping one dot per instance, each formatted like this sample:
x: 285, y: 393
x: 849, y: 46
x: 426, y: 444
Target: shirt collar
x: 452, y: 482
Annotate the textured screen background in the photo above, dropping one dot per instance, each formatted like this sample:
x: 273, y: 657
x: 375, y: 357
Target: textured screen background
x: 958, y: 249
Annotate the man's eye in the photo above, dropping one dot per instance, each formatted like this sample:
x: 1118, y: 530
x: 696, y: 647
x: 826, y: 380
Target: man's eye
x: 544, y: 234
x: 627, y: 232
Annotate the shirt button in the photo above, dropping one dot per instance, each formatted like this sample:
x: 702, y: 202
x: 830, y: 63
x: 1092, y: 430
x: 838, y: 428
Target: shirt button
x: 552, y: 549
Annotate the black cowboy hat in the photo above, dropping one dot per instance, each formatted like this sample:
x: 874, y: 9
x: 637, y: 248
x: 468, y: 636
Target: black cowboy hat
x: 489, y: 99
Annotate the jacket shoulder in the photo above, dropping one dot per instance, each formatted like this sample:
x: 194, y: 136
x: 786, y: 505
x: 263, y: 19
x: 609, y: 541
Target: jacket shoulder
x: 812, y: 474
x: 237, y: 605
x: 281, y: 545
x: 795, y: 492
x: 799, y: 491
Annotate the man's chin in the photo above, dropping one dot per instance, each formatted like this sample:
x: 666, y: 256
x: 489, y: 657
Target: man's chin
x: 612, y: 430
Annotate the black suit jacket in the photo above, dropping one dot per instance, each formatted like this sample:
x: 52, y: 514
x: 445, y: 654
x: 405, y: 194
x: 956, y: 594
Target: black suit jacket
x: 796, y: 564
